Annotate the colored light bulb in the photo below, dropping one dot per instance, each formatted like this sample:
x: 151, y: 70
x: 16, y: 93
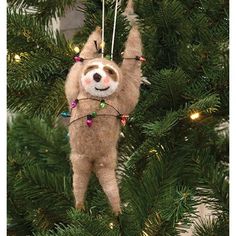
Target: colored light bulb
x: 123, y: 119
x: 108, y: 57
x: 77, y: 58
x: 89, y: 120
x: 74, y: 103
x: 89, y: 123
x: 142, y: 58
x: 102, y: 104
x: 65, y: 114
x: 94, y: 114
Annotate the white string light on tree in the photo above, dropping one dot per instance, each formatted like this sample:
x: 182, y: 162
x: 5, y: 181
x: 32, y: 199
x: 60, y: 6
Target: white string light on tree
x: 195, y: 116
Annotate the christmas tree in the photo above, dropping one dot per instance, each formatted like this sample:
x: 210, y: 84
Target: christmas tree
x: 173, y: 152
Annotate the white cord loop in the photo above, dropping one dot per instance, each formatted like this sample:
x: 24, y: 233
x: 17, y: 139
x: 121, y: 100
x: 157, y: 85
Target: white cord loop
x: 103, y: 27
x: 114, y: 30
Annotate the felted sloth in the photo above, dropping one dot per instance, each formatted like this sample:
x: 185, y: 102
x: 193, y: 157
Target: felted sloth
x: 95, y: 79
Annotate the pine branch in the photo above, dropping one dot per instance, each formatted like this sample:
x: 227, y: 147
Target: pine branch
x: 209, y: 104
x: 162, y: 128
x: 211, y: 226
x: 36, y: 83
x: 83, y: 224
x: 214, y: 186
x: 43, y: 11
x: 149, y: 200
x: 55, y: 189
x: 26, y: 34
x: 62, y: 230
x: 40, y: 141
x: 170, y: 84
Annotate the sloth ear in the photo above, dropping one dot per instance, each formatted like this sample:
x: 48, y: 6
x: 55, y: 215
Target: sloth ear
x: 92, y: 46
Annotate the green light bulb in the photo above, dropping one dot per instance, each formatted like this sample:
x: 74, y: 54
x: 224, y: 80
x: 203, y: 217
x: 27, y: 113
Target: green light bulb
x: 108, y: 57
x: 102, y: 104
x: 94, y: 114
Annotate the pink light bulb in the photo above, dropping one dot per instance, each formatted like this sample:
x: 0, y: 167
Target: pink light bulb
x: 89, y: 123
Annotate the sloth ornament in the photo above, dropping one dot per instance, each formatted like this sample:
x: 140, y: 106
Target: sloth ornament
x: 101, y: 94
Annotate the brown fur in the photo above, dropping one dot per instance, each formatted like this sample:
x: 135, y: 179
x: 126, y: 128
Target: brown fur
x: 95, y: 148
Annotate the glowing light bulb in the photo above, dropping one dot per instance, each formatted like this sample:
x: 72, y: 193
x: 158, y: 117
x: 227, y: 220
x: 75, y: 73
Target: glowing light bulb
x: 153, y: 151
x: 102, y: 45
x: 76, y: 49
x: 17, y: 58
x: 111, y: 225
x: 195, y: 115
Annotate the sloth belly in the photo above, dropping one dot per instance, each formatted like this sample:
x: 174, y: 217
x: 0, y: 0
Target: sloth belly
x: 96, y: 141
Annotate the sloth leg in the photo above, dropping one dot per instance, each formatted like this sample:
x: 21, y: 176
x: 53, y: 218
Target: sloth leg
x: 81, y: 173
x: 105, y: 172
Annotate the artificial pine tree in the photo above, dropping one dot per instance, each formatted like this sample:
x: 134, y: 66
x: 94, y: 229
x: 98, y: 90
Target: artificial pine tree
x: 173, y: 153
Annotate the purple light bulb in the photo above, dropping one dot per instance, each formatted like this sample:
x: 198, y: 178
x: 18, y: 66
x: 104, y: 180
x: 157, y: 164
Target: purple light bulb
x: 74, y: 103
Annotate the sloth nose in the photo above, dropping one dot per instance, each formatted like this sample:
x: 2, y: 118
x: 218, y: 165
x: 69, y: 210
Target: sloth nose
x: 97, y: 77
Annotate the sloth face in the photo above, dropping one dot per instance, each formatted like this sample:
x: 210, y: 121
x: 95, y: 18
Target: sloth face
x: 100, y: 80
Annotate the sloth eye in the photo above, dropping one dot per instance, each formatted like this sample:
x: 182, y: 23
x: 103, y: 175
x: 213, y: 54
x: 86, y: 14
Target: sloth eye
x: 90, y: 68
x: 109, y: 70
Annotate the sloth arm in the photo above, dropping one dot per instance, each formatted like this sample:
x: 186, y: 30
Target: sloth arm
x: 89, y: 50
x: 131, y: 70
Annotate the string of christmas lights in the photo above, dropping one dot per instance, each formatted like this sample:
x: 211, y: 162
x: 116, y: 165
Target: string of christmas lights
x: 77, y: 58
x: 89, y: 117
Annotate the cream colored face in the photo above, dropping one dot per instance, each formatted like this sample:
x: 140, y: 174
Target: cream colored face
x: 100, y: 80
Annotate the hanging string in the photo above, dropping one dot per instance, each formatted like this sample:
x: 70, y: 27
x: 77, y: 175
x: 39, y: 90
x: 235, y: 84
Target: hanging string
x: 114, y: 30
x: 103, y: 27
